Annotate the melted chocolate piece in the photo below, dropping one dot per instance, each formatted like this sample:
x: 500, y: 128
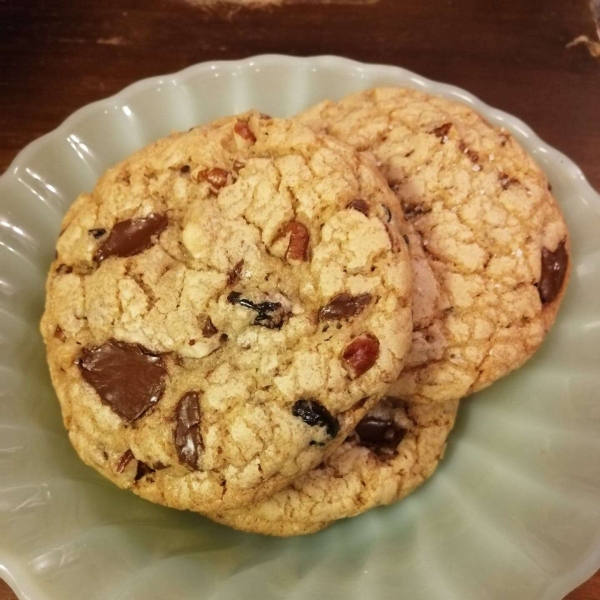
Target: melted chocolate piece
x: 554, y: 271
x: 473, y: 156
x: 344, y: 305
x: 378, y: 434
x: 360, y: 205
x: 64, y: 269
x: 442, y: 131
x: 208, y: 329
x: 298, y: 245
x: 187, y: 430
x: 316, y: 415
x: 97, y: 233
x: 506, y: 181
x: 142, y: 470
x: 270, y: 314
x: 131, y: 237
x: 127, y: 377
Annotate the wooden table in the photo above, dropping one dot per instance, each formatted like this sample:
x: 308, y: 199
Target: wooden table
x: 59, y: 55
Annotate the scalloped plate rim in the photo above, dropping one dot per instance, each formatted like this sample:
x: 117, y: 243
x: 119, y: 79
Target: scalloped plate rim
x: 556, y: 589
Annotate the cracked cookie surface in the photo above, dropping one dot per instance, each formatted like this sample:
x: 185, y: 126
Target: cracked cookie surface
x: 220, y: 314
x: 493, y: 256
x: 393, y: 450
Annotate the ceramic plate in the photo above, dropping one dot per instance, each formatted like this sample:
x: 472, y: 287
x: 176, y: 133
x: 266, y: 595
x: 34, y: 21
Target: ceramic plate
x: 514, y: 511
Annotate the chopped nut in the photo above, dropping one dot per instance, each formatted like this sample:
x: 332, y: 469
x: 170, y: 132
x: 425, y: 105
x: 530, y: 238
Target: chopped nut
x: 216, y: 177
x: 298, y: 244
x: 360, y: 355
x: 242, y: 129
x: 360, y: 205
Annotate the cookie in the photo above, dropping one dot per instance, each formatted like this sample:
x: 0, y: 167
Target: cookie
x: 496, y: 248
x: 393, y: 450
x: 224, y: 308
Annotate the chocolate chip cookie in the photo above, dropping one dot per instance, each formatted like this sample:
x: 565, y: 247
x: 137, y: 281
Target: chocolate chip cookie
x: 495, y: 247
x: 392, y: 451
x: 224, y: 308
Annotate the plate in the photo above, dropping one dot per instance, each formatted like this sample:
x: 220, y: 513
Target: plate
x: 514, y: 510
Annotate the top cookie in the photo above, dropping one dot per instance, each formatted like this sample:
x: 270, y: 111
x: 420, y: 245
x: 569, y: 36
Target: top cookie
x: 494, y: 257
x: 224, y: 308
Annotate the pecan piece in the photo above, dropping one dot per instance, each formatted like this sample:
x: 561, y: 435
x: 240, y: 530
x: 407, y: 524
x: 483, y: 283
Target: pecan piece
x: 242, y: 129
x: 234, y: 275
x: 124, y: 460
x: 298, y: 244
x: 360, y: 355
x: 217, y: 178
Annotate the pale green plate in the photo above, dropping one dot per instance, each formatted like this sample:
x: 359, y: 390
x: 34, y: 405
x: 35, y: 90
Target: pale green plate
x: 513, y: 513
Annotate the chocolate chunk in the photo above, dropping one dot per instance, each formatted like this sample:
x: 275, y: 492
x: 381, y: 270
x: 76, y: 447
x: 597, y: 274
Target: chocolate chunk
x: 270, y: 314
x: 127, y: 377
x: 378, y: 434
x: 360, y: 355
x: 242, y: 129
x: 208, y: 329
x: 64, y: 269
x: 142, y: 470
x: 315, y: 414
x: 238, y: 165
x: 124, y: 460
x: 217, y: 178
x: 187, y: 430
x: 474, y: 157
x: 413, y: 210
x: 442, y: 131
x: 131, y: 236
x: 360, y: 205
x: 234, y: 275
x: 59, y: 334
x: 97, y: 233
x: 185, y: 169
x: 554, y: 271
x: 298, y: 244
x: 506, y: 181
x: 344, y: 305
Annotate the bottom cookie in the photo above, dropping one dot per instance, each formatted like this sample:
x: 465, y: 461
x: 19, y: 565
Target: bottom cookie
x: 394, y: 449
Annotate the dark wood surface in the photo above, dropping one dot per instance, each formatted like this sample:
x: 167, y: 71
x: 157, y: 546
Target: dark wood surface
x: 58, y: 55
